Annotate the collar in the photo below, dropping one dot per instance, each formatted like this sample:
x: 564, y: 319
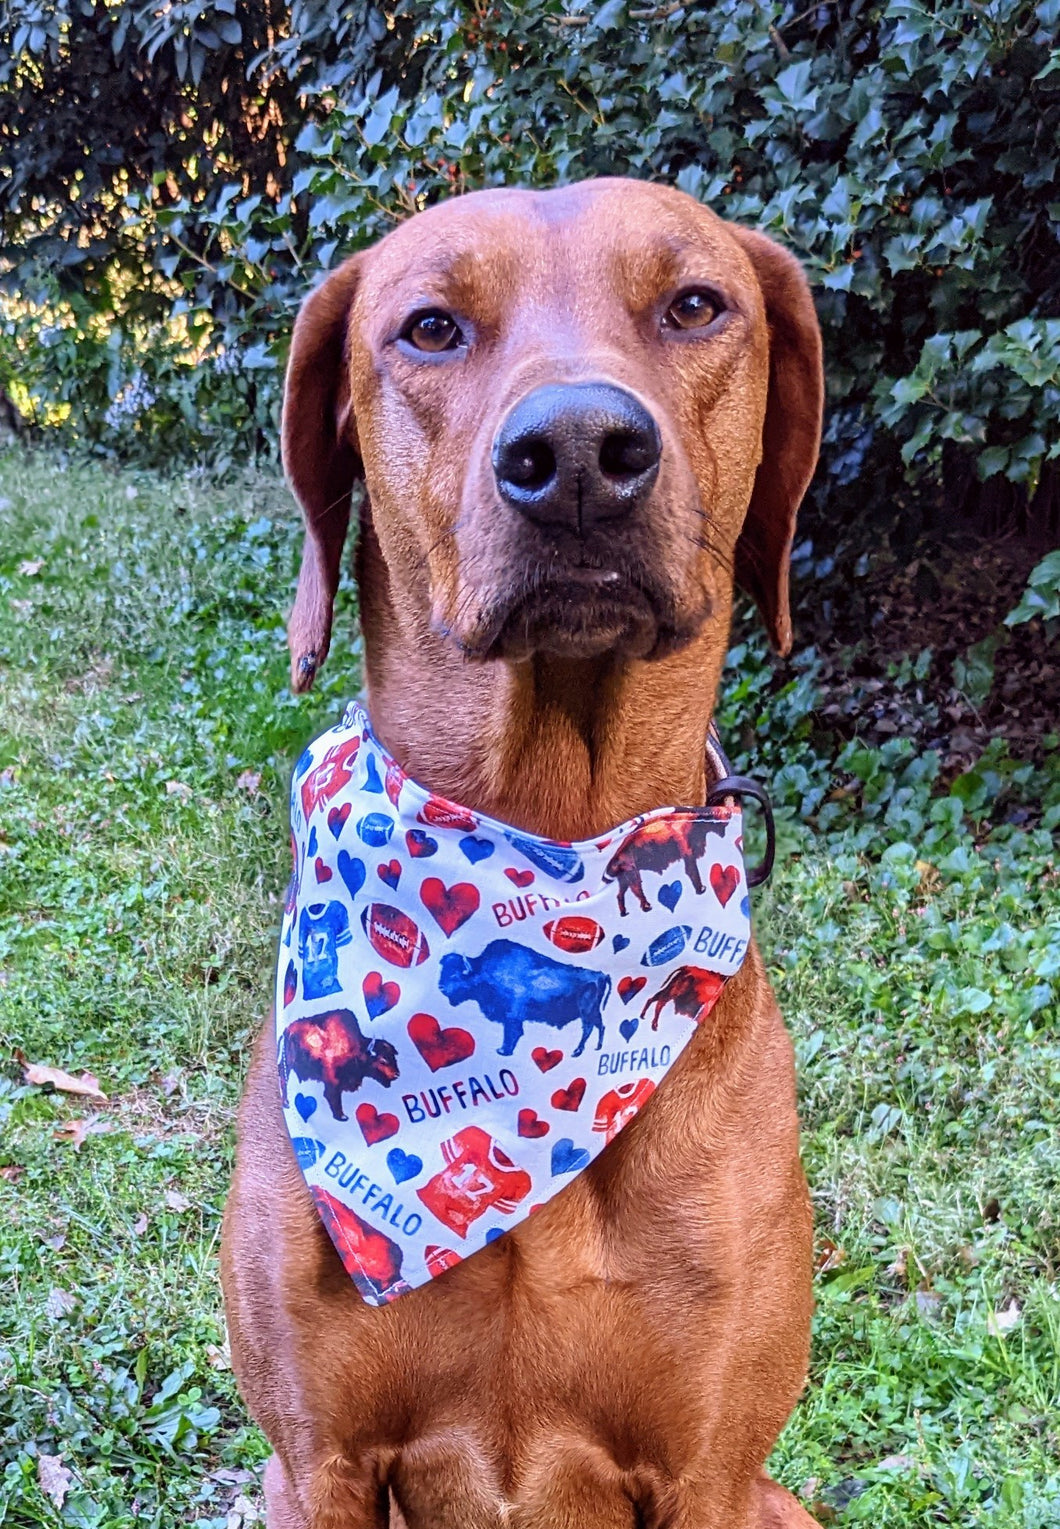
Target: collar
x: 491, y: 1007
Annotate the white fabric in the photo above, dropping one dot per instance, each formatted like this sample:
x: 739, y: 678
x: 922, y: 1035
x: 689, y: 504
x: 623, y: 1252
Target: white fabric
x: 487, y: 1007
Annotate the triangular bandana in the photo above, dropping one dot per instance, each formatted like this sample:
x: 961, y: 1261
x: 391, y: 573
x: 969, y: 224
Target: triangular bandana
x: 466, y: 1014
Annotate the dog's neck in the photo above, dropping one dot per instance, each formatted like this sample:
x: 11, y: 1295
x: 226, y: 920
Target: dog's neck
x: 560, y: 747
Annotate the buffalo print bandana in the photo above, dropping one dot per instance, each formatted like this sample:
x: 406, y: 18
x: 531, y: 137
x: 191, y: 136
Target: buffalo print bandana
x: 467, y: 1014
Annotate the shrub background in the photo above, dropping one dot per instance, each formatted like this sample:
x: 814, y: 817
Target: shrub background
x: 171, y: 181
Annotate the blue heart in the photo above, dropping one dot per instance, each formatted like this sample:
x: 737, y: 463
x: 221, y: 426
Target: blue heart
x: 628, y: 1028
x: 567, y: 1158
x: 494, y: 1232
x: 477, y: 849
x: 312, y: 845
x: 352, y: 871
x: 391, y: 876
x: 619, y: 942
x: 371, y: 777
x: 307, y: 1150
x: 670, y: 894
x: 403, y: 1165
x: 305, y: 1104
x: 745, y: 907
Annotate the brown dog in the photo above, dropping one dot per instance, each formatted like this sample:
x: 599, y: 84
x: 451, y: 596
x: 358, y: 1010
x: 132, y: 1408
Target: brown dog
x: 576, y: 414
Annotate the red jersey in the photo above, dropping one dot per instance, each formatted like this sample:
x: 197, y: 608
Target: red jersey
x: 619, y: 1106
x: 477, y: 1177
x: 333, y: 772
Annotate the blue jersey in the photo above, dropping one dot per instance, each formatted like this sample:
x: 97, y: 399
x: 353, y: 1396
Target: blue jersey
x: 323, y: 929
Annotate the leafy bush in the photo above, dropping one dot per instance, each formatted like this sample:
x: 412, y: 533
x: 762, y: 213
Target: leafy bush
x: 906, y: 152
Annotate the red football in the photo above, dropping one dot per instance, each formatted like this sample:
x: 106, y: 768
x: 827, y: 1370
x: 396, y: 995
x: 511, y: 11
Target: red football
x: 394, y: 936
x: 442, y: 814
x: 574, y: 932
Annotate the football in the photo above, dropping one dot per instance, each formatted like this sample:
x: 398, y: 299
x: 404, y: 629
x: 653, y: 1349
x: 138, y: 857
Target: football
x: 666, y: 946
x: 442, y: 814
x: 375, y: 828
x: 394, y: 936
x: 574, y: 932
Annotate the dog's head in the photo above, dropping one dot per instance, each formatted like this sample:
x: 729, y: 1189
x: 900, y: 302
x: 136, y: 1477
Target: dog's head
x: 576, y: 413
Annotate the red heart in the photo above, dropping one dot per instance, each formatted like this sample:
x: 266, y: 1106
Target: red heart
x: 438, y: 1047
x: 380, y: 996
x: 376, y: 1127
x: 449, y: 906
x: 724, y: 879
x: 324, y: 872
x: 569, y: 1098
x: 337, y: 818
x: 546, y: 1060
x: 530, y: 1125
x: 518, y: 878
x: 629, y: 987
x: 390, y: 873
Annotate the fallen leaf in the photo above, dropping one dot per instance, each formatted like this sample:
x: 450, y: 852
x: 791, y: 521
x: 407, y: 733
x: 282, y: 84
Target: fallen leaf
x: 176, y: 1201
x: 12, y: 1172
x: 53, y: 1477
x: 231, y: 1476
x: 830, y: 1256
x: 139, y: 1226
x: 897, y: 1463
x: 31, y: 566
x: 59, y: 1303
x: 8, y: 776
x: 1003, y: 1321
x: 178, y: 788
x: 220, y: 1360
x: 171, y: 1082
x: 77, y: 1132
x: 41, y: 1076
x: 249, y: 781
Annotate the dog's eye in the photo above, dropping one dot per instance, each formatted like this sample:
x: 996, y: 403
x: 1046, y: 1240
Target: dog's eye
x: 432, y: 331
x: 693, y: 310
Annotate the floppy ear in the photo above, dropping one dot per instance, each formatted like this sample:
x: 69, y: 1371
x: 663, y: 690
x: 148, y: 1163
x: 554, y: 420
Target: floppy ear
x: 321, y: 461
x: 791, y: 434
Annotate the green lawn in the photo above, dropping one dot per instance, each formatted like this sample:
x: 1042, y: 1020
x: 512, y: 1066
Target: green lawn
x: 146, y: 733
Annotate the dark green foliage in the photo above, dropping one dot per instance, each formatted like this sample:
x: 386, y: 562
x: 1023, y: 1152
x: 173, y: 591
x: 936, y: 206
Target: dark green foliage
x: 206, y: 161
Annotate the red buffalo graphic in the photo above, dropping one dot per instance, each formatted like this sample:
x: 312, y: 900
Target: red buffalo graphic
x: 333, y: 772
x: 658, y: 845
x: 371, y: 1260
x: 692, y: 991
x: 331, y: 1049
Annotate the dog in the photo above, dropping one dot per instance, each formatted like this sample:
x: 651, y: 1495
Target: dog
x: 578, y: 415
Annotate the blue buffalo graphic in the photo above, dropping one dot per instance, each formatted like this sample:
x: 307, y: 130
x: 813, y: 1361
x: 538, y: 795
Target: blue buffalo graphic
x: 515, y: 987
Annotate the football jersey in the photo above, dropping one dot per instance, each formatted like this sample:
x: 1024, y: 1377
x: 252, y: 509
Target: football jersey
x: 322, y: 929
x: 618, y: 1107
x: 477, y: 1177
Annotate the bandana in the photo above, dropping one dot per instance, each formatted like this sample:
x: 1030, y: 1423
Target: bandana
x: 467, y: 1014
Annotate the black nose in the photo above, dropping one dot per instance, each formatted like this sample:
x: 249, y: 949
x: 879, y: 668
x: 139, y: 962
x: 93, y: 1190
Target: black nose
x: 574, y: 455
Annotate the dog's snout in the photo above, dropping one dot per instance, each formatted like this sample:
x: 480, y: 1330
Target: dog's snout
x: 573, y: 455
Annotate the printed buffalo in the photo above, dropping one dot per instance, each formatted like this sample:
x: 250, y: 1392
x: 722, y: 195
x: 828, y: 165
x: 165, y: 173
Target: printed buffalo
x: 692, y: 991
x: 515, y: 987
x: 657, y: 846
x: 331, y: 1049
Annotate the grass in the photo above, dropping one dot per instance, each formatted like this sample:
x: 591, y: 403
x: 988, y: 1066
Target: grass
x: 145, y: 737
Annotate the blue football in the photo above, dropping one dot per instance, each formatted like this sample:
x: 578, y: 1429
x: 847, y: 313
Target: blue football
x: 375, y: 828
x: 666, y: 946
x: 557, y: 860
